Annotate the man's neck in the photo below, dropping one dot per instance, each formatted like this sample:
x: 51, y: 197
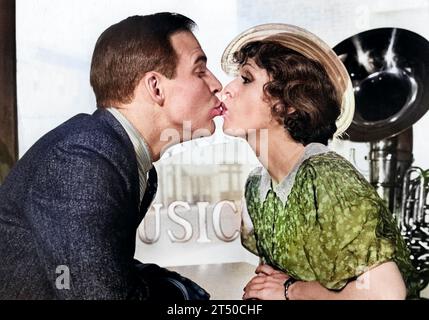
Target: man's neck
x: 149, y: 125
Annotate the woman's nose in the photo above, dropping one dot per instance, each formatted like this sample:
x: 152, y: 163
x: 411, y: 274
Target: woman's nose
x: 226, y: 93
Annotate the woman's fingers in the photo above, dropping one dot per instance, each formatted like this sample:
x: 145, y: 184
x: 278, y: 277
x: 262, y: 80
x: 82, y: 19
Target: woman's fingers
x: 254, y: 286
x: 264, y: 292
x: 282, y: 277
x: 266, y: 287
x: 258, y: 279
x: 265, y: 269
x: 277, y: 279
x: 259, y: 282
x: 252, y: 294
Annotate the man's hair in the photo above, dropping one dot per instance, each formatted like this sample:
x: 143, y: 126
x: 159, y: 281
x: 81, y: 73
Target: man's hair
x: 299, y: 82
x: 125, y: 51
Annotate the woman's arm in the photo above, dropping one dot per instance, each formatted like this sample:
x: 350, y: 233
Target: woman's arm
x: 383, y: 282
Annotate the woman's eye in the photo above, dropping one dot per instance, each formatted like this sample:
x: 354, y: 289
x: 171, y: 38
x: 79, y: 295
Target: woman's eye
x: 245, y: 79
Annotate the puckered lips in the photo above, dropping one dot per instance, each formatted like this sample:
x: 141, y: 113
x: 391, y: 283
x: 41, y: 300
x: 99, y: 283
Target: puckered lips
x: 219, y: 110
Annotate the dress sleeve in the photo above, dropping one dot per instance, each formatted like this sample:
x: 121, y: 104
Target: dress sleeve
x: 346, y: 231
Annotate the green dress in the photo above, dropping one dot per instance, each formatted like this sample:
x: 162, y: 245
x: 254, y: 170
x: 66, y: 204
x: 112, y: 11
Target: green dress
x: 323, y: 222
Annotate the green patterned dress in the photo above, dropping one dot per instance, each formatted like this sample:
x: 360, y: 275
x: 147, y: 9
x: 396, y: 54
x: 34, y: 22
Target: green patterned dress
x: 323, y: 222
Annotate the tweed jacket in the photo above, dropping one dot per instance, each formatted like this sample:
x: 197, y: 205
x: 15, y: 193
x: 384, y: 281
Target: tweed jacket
x: 69, y: 214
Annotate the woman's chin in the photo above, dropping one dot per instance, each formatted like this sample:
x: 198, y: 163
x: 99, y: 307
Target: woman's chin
x: 233, y: 131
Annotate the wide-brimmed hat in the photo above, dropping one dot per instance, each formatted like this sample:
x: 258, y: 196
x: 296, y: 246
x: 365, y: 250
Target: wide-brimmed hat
x: 309, y: 45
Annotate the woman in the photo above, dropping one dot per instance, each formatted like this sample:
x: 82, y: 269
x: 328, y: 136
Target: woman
x: 319, y: 227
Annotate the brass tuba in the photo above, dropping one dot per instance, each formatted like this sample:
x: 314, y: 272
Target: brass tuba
x: 413, y: 219
x: 389, y: 69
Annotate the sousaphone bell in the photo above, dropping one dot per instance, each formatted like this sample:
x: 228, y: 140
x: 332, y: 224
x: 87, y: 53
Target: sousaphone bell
x: 389, y: 70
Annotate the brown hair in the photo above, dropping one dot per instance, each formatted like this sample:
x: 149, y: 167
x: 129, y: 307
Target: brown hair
x: 298, y: 82
x: 125, y: 51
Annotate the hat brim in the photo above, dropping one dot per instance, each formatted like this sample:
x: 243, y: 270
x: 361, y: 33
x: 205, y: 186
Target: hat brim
x: 309, y: 45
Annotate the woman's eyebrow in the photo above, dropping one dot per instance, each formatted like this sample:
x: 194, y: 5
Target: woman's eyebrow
x: 250, y: 61
x: 248, y: 64
x: 247, y: 71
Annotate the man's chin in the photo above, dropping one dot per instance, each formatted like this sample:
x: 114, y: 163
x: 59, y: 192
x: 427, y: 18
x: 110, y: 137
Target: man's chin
x: 204, y: 132
x: 211, y: 128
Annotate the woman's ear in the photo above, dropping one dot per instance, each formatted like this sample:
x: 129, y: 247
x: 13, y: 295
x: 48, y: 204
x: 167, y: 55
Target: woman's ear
x: 290, y: 110
x: 152, y: 81
x: 280, y: 108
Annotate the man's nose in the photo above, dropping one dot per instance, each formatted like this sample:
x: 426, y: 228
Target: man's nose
x: 214, y: 84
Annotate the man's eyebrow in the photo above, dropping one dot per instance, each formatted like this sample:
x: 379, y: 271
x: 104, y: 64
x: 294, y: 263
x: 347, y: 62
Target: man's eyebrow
x: 200, y: 58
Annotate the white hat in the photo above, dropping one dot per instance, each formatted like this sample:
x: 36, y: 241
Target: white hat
x: 310, y: 46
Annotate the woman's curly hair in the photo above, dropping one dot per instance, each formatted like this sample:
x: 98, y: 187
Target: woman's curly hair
x: 298, y: 82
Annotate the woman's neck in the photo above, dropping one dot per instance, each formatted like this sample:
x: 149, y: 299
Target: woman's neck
x: 278, y: 152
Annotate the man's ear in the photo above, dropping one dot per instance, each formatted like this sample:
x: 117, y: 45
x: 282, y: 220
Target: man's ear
x: 152, y: 81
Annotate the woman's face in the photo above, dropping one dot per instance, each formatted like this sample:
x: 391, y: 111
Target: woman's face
x: 246, y: 105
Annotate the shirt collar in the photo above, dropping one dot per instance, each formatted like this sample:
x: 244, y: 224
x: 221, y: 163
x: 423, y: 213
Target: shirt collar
x: 283, y: 189
x: 144, y: 159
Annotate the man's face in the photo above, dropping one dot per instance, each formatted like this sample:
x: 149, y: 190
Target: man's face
x: 190, y: 95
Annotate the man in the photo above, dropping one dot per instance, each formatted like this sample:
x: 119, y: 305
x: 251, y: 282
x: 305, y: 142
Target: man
x: 70, y: 208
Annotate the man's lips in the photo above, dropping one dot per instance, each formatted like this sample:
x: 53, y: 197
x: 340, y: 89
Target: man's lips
x: 219, y: 110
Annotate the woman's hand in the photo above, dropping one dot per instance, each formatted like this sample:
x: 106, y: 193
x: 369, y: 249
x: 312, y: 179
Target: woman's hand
x: 266, y: 285
x: 380, y: 282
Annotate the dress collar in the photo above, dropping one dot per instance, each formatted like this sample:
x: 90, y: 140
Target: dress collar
x: 283, y: 189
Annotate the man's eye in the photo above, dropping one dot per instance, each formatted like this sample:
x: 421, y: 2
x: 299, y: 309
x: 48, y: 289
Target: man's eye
x: 245, y: 79
x: 201, y: 72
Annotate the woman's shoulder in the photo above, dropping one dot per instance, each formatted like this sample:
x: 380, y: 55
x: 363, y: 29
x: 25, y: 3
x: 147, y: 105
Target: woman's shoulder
x: 337, y: 179
x: 329, y: 163
x: 328, y: 159
x: 333, y: 171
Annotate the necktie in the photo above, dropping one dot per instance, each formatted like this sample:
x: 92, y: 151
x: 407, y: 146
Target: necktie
x: 149, y: 195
